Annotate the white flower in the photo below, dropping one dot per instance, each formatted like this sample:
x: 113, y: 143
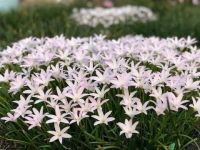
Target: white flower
x: 66, y: 106
x: 42, y: 95
x: 90, y: 67
x: 131, y: 111
x: 34, y: 88
x: 157, y: 93
x: 43, y: 78
x: 123, y: 80
x: 7, y: 76
x: 17, y: 84
x: 102, y: 77
x: 58, y: 117
x: 97, y: 103
x: 196, y: 105
x: 35, y: 119
x: 61, y: 95
x: 127, y: 99
x: 192, y: 85
x: 57, y: 71
x: 128, y: 128
x: 76, y: 93
x: 59, y: 134
x: 77, y: 115
x: 100, y: 93
x: 176, y: 102
x: 102, y: 118
x: 23, y: 106
x: 86, y: 106
x: 10, y: 117
x: 142, y: 108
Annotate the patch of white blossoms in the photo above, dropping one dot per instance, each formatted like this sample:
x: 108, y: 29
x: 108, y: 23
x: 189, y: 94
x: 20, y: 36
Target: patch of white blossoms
x: 63, y: 81
x: 111, y: 16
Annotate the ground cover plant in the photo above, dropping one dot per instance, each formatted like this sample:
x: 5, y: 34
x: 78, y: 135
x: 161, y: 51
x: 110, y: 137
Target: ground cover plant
x: 87, y: 93
x: 111, y: 16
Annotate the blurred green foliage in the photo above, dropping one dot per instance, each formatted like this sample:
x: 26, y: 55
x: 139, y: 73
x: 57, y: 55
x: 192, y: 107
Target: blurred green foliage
x: 180, y: 20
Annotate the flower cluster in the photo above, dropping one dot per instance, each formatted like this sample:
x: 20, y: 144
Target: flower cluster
x: 111, y: 16
x: 63, y: 81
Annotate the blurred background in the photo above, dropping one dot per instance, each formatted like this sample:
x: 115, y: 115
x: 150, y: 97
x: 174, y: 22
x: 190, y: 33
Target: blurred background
x: 24, y: 18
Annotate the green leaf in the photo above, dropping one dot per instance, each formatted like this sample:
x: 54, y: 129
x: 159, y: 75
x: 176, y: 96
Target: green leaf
x: 172, y: 146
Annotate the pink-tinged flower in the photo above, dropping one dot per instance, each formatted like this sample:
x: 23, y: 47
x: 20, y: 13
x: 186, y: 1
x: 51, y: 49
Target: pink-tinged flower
x: 59, y: 134
x: 86, y: 106
x: 61, y: 95
x: 161, y: 106
x: 10, y: 117
x: 122, y: 81
x: 43, y: 78
x: 57, y: 71
x: 100, y: 93
x: 156, y: 93
x: 42, y: 96
x: 191, y: 85
x: 23, y: 106
x: 102, y: 118
x: 108, y: 3
x: 196, y: 105
x: 17, y: 84
x: 114, y: 63
x: 90, y: 67
x: 176, y: 102
x: 103, y: 78
x: 33, y: 88
x: 76, y: 93
x: 155, y: 79
x: 142, y: 108
x: 66, y: 106
x: 77, y: 115
x: 7, y: 76
x: 58, y: 117
x: 128, y: 128
x: 35, y: 119
x: 23, y: 102
x: 131, y: 111
x: 96, y: 103
x: 195, y: 2
x: 127, y: 98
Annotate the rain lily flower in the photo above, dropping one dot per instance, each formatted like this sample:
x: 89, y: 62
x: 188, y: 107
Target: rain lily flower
x: 35, y: 119
x: 196, y: 105
x: 102, y: 118
x: 58, y: 117
x: 59, y: 134
x: 128, y: 128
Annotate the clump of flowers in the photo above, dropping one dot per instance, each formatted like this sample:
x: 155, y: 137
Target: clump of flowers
x: 112, y: 16
x: 94, y: 82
